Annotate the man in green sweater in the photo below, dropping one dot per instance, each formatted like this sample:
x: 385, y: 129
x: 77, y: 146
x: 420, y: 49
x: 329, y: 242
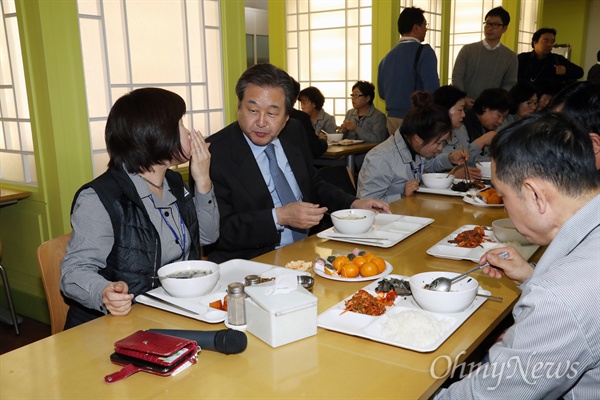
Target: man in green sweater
x: 488, y: 63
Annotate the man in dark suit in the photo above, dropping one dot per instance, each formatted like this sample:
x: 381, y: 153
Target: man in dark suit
x: 253, y: 218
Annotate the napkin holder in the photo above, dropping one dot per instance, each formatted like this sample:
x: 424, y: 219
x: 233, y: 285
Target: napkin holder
x: 280, y: 318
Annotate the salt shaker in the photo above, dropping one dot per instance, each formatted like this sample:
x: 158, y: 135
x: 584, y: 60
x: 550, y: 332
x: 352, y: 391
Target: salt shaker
x: 252, y: 280
x: 236, y: 312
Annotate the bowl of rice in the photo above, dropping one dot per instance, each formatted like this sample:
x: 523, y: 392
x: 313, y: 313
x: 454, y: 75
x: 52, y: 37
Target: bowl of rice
x: 460, y: 297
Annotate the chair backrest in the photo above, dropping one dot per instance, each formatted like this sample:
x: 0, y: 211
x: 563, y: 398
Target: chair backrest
x: 50, y: 255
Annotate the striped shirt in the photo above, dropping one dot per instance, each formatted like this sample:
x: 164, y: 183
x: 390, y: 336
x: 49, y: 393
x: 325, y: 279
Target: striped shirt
x: 553, y: 349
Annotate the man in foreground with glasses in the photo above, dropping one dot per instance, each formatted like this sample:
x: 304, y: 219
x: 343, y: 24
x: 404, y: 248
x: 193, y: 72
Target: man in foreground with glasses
x: 543, y: 166
x: 488, y: 63
x: 410, y: 66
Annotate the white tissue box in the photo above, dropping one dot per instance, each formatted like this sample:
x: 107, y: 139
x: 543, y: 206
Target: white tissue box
x: 280, y: 318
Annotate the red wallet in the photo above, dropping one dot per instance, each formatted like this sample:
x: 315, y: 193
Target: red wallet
x: 152, y: 352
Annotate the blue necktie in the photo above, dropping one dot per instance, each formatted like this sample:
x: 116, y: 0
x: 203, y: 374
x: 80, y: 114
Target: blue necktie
x: 282, y: 186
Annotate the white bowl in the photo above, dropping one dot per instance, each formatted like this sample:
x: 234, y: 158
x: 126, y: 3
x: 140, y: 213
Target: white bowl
x: 334, y: 137
x: 505, y: 232
x: 189, y: 287
x: 437, y: 181
x: 485, y: 168
x: 353, y: 221
x: 461, y: 294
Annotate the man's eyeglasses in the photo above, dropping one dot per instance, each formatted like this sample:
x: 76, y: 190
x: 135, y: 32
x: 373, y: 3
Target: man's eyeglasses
x: 356, y: 95
x: 492, y: 25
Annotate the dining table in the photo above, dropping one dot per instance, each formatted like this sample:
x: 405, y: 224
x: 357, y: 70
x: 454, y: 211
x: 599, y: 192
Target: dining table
x: 347, y: 152
x: 330, y: 364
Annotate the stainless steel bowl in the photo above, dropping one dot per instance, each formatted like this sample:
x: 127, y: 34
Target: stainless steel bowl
x: 306, y: 281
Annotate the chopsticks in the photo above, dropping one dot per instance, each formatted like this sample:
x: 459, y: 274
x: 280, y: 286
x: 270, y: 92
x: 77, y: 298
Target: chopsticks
x: 467, y: 173
x: 453, y: 170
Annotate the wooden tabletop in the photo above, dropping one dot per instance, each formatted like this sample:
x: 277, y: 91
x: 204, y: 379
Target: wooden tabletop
x: 9, y: 196
x: 72, y: 364
x: 336, y: 151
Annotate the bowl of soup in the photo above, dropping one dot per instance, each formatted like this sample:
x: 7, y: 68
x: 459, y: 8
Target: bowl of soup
x: 192, y: 278
x: 437, y: 180
x: 506, y: 232
x: 353, y: 221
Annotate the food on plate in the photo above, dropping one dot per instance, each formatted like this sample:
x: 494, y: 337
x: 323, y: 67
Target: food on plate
x: 490, y: 196
x: 368, y: 269
x: 350, y: 270
x: 415, y: 328
x: 464, y: 186
x: 299, y: 265
x: 219, y: 304
x: 355, y: 264
x: 363, y: 302
x: 470, y: 238
x: 398, y: 286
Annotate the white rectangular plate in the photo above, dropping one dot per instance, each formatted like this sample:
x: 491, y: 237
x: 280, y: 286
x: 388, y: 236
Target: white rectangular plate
x: 230, y: 271
x: 443, y: 249
x: 388, y: 230
x: 370, y: 327
x: 444, y: 192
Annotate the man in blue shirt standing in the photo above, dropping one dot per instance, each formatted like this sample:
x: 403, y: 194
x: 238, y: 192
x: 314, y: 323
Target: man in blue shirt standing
x: 408, y: 67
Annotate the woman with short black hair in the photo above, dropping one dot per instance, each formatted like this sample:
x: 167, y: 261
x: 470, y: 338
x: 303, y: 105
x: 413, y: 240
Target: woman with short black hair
x: 139, y: 215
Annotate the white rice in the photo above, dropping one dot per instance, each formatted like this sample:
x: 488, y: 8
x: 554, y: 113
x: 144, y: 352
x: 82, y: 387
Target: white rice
x: 414, y: 328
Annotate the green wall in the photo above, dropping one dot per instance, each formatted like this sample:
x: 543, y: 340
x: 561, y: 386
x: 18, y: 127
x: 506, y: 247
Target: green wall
x: 569, y: 18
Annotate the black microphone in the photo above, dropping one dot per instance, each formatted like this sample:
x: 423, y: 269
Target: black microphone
x: 226, y: 341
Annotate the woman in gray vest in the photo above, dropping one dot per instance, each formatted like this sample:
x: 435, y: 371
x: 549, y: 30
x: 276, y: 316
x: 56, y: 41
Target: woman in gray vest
x: 139, y: 215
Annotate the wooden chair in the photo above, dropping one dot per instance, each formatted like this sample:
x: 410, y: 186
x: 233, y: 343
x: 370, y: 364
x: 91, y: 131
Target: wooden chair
x: 11, y: 307
x: 50, y: 255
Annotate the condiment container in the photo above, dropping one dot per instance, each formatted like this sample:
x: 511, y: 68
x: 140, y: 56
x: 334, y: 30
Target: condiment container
x: 236, y: 313
x: 279, y: 319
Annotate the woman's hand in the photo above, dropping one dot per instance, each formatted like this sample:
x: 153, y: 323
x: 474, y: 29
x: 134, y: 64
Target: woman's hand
x: 458, y: 157
x: 410, y: 187
x: 116, y: 298
x: 200, y: 162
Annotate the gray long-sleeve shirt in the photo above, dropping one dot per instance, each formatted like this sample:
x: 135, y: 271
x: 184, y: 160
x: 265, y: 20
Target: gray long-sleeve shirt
x: 552, y: 350
x: 93, y: 238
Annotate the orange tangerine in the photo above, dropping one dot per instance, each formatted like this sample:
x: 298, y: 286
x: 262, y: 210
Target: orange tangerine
x: 339, y: 261
x: 368, y: 269
x: 380, y: 262
x: 359, y: 260
x: 368, y: 256
x: 350, y: 270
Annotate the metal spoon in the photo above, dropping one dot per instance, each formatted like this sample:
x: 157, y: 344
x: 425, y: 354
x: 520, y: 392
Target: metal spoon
x: 443, y: 284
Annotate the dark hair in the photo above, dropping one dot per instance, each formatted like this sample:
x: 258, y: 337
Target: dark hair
x: 538, y: 34
x: 598, y: 55
x: 142, y: 129
x: 580, y: 101
x: 314, y: 95
x: 493, y: 99
x: 499, y: 12
x: 296, y: 87
x: 447, y: 96
x: 549, y: 147
x: 519, y: 93
x: 366, y: 88
x: 410, y: 17
x: 267, y: 76
x: 427, y: 120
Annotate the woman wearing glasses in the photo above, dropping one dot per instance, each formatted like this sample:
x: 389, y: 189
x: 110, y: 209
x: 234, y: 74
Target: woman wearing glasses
x: 524, y: 101
x: 363, y: 121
